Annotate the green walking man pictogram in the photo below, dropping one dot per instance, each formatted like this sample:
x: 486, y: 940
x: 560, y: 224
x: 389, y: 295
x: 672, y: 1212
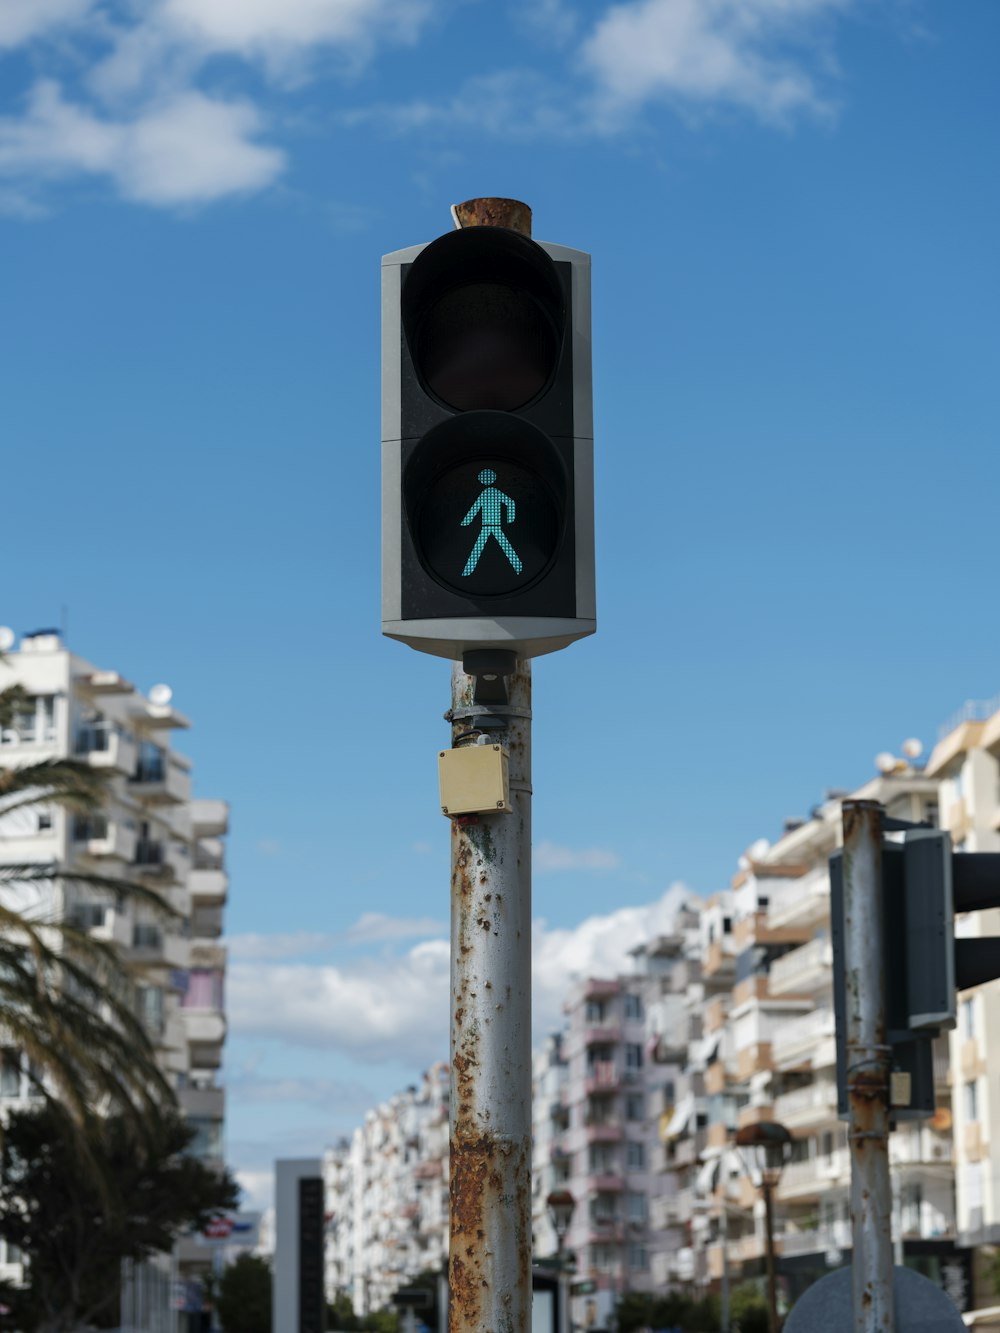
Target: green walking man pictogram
x: 490, y: 505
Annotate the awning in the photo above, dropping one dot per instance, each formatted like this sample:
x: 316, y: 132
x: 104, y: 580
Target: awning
x: 707, y: 1176
x: 679, y: 1120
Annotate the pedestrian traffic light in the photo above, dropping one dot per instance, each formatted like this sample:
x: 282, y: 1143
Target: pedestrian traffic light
x: 924, y: 883
x: 487, y: 445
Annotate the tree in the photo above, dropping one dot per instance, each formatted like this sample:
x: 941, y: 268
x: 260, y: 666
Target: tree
x: 76, y: 1218
x: 243, y: 1295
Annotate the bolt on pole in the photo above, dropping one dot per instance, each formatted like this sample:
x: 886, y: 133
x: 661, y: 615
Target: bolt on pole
x: 868, y: 1063
x: 490, y: 1114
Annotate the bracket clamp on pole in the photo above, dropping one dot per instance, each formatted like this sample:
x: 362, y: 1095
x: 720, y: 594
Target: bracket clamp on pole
x: 490, y: 667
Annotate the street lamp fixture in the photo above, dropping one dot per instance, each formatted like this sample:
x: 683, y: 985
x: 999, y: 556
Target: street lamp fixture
x: 561, y: 1205
x: 764, y: 1147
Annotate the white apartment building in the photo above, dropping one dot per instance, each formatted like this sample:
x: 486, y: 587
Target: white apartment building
x: 152, y: 830
x: 966, y: 763
x: 769, y: 1053
x: 603, y: 1138
x: 387, y: 1196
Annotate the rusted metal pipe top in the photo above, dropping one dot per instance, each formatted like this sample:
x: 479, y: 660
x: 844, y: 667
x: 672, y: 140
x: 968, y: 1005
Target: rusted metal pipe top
x: 510, y: 213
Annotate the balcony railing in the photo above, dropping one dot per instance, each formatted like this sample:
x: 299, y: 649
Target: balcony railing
x: 798, y: 1034
x: 802, y: 968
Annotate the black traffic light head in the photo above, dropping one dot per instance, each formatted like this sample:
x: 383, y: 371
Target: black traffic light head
x: 487, y: 445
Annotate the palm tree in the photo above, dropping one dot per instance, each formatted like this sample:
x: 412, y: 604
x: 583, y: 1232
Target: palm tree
x: 66, y: 998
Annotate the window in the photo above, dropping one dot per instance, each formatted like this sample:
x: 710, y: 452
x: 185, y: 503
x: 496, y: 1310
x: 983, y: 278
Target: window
x: 88, y: 916
x: 636, y: 1206
x: 635, y: 1106
x: 33, y: 722
x: 972, y: 1100
x: 207, y: 1141
x: 727, y: 925
x: 635, y: 1156
x: 204, y: 989
x: 633, y: 1055
x: 968, y: 1019
x: 146, y: 936
x: 150, y: 765
x: 10, y: 1073
x: 44, y: 821
x: 595, y: 1011
x: 638, y: 1259
x: 149, y: 1008
x: 633, y: 1007
x: 86, y: 827
x: 602, y: 1160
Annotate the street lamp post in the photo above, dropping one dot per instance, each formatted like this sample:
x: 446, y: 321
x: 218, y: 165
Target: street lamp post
x: 561, y: 1204
x: 764, y: 1147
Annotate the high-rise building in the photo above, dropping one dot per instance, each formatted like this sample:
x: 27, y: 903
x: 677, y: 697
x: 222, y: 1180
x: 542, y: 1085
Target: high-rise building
x: 966, y: 764
x: 151, y: 830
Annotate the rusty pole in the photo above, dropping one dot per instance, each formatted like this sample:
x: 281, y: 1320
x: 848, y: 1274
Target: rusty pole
x: 490, y: 1116
x: 868, y: 1060
x: 490, y: 1214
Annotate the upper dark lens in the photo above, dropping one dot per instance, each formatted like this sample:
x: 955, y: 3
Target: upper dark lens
x: 486, y: 346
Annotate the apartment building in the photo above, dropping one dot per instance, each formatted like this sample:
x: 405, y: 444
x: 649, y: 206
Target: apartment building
x: 153, y: 831
x: 776, y: 1060
x: 603, y: 1138
x: 966, y: 764
x: 387, y: 1196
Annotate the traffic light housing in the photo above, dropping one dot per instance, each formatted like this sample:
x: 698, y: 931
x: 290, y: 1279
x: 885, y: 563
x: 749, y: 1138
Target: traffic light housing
x: 924, y: 883
x: 487, y: 445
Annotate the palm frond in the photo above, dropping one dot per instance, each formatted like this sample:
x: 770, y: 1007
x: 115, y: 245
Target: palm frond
x: 70, y: 783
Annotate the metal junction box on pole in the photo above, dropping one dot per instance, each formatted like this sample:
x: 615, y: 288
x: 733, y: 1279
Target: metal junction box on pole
x: 474, y: 780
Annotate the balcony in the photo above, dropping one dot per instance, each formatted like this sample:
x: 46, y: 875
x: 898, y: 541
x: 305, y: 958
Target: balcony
x: 98, y: 836
x: 805, y: 1040
x: 602, y: 1036
x: 159, y: 859
x: 804, y: 904
x: 806, y: 969
x: 203, y: 1103
x: 753, y: 1059
x: 104, y: 746
x: 821, y: 1241
x: 598, y: 988
x: 152, y: 946
x: 809, y: 1107
x: 208, y: 886
x: 720, y: 960
x: 814, y: 1177
x: 164, y: 780
x: 605, y: 1182
x: 606, y: 1229
x: 602, y: 1077
x: 209, y: 818
x: 204, y: 1025
x: 760, y: 928
x: 604, y: 1133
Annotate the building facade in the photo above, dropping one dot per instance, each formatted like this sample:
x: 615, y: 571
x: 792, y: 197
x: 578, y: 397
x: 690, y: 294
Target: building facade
x: 151, y: 830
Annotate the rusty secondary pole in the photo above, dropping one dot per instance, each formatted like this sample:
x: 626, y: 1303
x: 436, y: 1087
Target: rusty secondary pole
x: 490, y: 1115
x: 868, y: 1062
x: 490, y: 1215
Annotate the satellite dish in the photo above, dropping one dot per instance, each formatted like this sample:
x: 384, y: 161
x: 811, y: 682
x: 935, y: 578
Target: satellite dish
x: 885, y: 762
x: 758, y: 849
x: 160, y: 695
x: 7, y: 637
x: 913, y: 748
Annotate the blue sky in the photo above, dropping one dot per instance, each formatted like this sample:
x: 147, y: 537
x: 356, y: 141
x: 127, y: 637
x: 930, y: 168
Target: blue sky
x: 792, y: 207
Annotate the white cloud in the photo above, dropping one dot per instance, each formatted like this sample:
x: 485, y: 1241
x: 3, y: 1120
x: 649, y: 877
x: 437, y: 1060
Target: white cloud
x: 549, y: 857
x: 24, y: 20
x: 397, y: 1008
x: 188, y: 150
x: 294, y: 944
x: 375, y: 1010
x: 703, y: 52
x: 373, y: 927
x: 282, y: 37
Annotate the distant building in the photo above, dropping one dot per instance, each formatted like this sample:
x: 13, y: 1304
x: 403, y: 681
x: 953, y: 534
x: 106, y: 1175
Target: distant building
x: 966, y: 765
x: 387, y: 1196
x: 152, y: 830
